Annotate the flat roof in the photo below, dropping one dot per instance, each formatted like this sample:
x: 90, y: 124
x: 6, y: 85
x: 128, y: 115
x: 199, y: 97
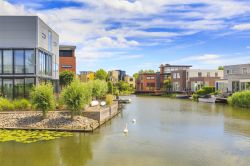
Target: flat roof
x: 168, y: 65
x: 65, y: 47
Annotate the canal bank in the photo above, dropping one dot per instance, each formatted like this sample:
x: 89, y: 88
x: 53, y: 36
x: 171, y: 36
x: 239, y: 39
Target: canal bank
x: 87, y: 121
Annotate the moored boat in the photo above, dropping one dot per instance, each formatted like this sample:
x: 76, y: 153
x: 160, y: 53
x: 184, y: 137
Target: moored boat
x: 207, y: 99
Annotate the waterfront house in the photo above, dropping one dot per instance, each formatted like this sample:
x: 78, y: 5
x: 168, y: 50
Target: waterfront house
x: 237, y: 78
x: 130, y: 80
x: 116, y: 75
x: 192, y: 80
x: 29, y: 54
x: 148, y: 83
x: 166, y: 69
x: 67, y: 58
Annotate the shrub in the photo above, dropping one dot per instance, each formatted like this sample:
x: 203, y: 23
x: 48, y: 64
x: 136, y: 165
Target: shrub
x: 66, y: 77
x: 76, y: 96
x: 42, y: 98
x: 109, y: 99
x: 195, y: 97
x: 241, y: 99
x: 22, y: 104
x: 6, y: 105
x: 206, y: 90
x: 99, y: 88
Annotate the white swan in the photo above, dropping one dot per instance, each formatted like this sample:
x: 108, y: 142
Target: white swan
x: 134, y: 120
x: 126, y: 129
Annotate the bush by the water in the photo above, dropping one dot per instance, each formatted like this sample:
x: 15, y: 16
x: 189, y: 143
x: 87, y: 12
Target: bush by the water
x: 206, y: 90
x: 42, y: 98
x: 241, y: 99
x: 99, y: 88
x: 75, y: 96
x: 109, y: 99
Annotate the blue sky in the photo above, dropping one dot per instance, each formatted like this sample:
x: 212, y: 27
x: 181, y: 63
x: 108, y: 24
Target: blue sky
x: 142, y: 34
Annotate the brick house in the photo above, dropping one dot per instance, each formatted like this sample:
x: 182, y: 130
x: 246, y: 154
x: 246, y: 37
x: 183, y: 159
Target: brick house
x: 147, y: 83
x: 67, y: 58
x: 194, y: 79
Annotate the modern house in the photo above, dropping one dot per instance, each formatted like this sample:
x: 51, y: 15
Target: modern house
x: 194, y: 79
x: 130, y: 80
x: 67, y: 58
x: 236, y: 78
x: 29, y: 54
x: 85, y: 76
x: 166, y: 69
x: 148, y: 83
x: 116, y: 75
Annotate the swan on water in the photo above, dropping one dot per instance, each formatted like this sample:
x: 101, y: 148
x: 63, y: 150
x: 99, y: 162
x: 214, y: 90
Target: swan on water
x: 134, y: 120
x: 126, y: 129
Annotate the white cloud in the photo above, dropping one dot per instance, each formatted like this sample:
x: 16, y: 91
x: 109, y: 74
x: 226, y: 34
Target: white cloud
x: 242, y: 27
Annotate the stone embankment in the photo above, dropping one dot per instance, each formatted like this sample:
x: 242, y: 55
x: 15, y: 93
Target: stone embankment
x: 89, y: 120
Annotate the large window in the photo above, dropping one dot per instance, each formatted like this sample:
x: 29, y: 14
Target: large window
x: 66, y: 53
x: 29, y: 82
x: 30, y: 61
x: 45, y: 64
x: 19, y: 61
x: 8, y: 88
x: 19, y: 88
x: 7, y: 61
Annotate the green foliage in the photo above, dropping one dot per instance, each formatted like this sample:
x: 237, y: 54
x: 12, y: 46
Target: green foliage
x: 22, y: 105
x: 167, y: 84
x: 123, y: 88
x: 220, y: 68
x: 99, y: 88
x: 195, y: 97
x: 42, y: 98
x: 6, y: 105
x: 136, y: 75
x: 24, y: 136
x: 206, y: 90
x: 76, y: 96
x: 240, y: 99
x: 101, y: 75
x: 110, y: 87
x: 66, y: 77
x: 109, y: 99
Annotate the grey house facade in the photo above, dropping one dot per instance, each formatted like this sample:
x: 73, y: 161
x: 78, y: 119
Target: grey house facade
x: 29, y: 54
x: 237, y: 77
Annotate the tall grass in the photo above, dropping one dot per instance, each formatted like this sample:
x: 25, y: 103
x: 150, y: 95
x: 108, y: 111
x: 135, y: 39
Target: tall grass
x: 240, y: 99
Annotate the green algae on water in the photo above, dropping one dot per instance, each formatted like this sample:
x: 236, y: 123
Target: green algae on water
x: 25, y: 136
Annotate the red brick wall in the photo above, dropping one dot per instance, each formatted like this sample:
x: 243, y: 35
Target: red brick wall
x: 67, y: 61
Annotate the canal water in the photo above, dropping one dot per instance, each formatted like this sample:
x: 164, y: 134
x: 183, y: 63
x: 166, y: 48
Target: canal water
x: 167, y: 132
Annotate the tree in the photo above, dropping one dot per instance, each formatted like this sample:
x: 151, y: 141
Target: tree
x: 99, y: 88
x: 110, y: 87
x: 42, y: 98
x: 101, y: 75
x: 76, y: 96
x: 220, y: 68
x: 66, y: 77
x: 123, y: 87
x: 136, y: 75
x: 168, y: 84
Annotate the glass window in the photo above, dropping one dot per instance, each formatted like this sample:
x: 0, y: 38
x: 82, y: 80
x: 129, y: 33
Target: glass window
x: 8, y: 88
x: 29, y: 82
x: 19, y: 61
x: 1, y: 87
x: 208, y: 74
x: 199, y: 74
x: 244, y: 70
x: 216, y: 74
x: 30, y: 61
x: 66, y: 53
x: 7, y: 61
x: 19, y: 88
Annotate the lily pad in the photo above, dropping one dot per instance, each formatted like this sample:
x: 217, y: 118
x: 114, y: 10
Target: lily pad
x: 25, y: 136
